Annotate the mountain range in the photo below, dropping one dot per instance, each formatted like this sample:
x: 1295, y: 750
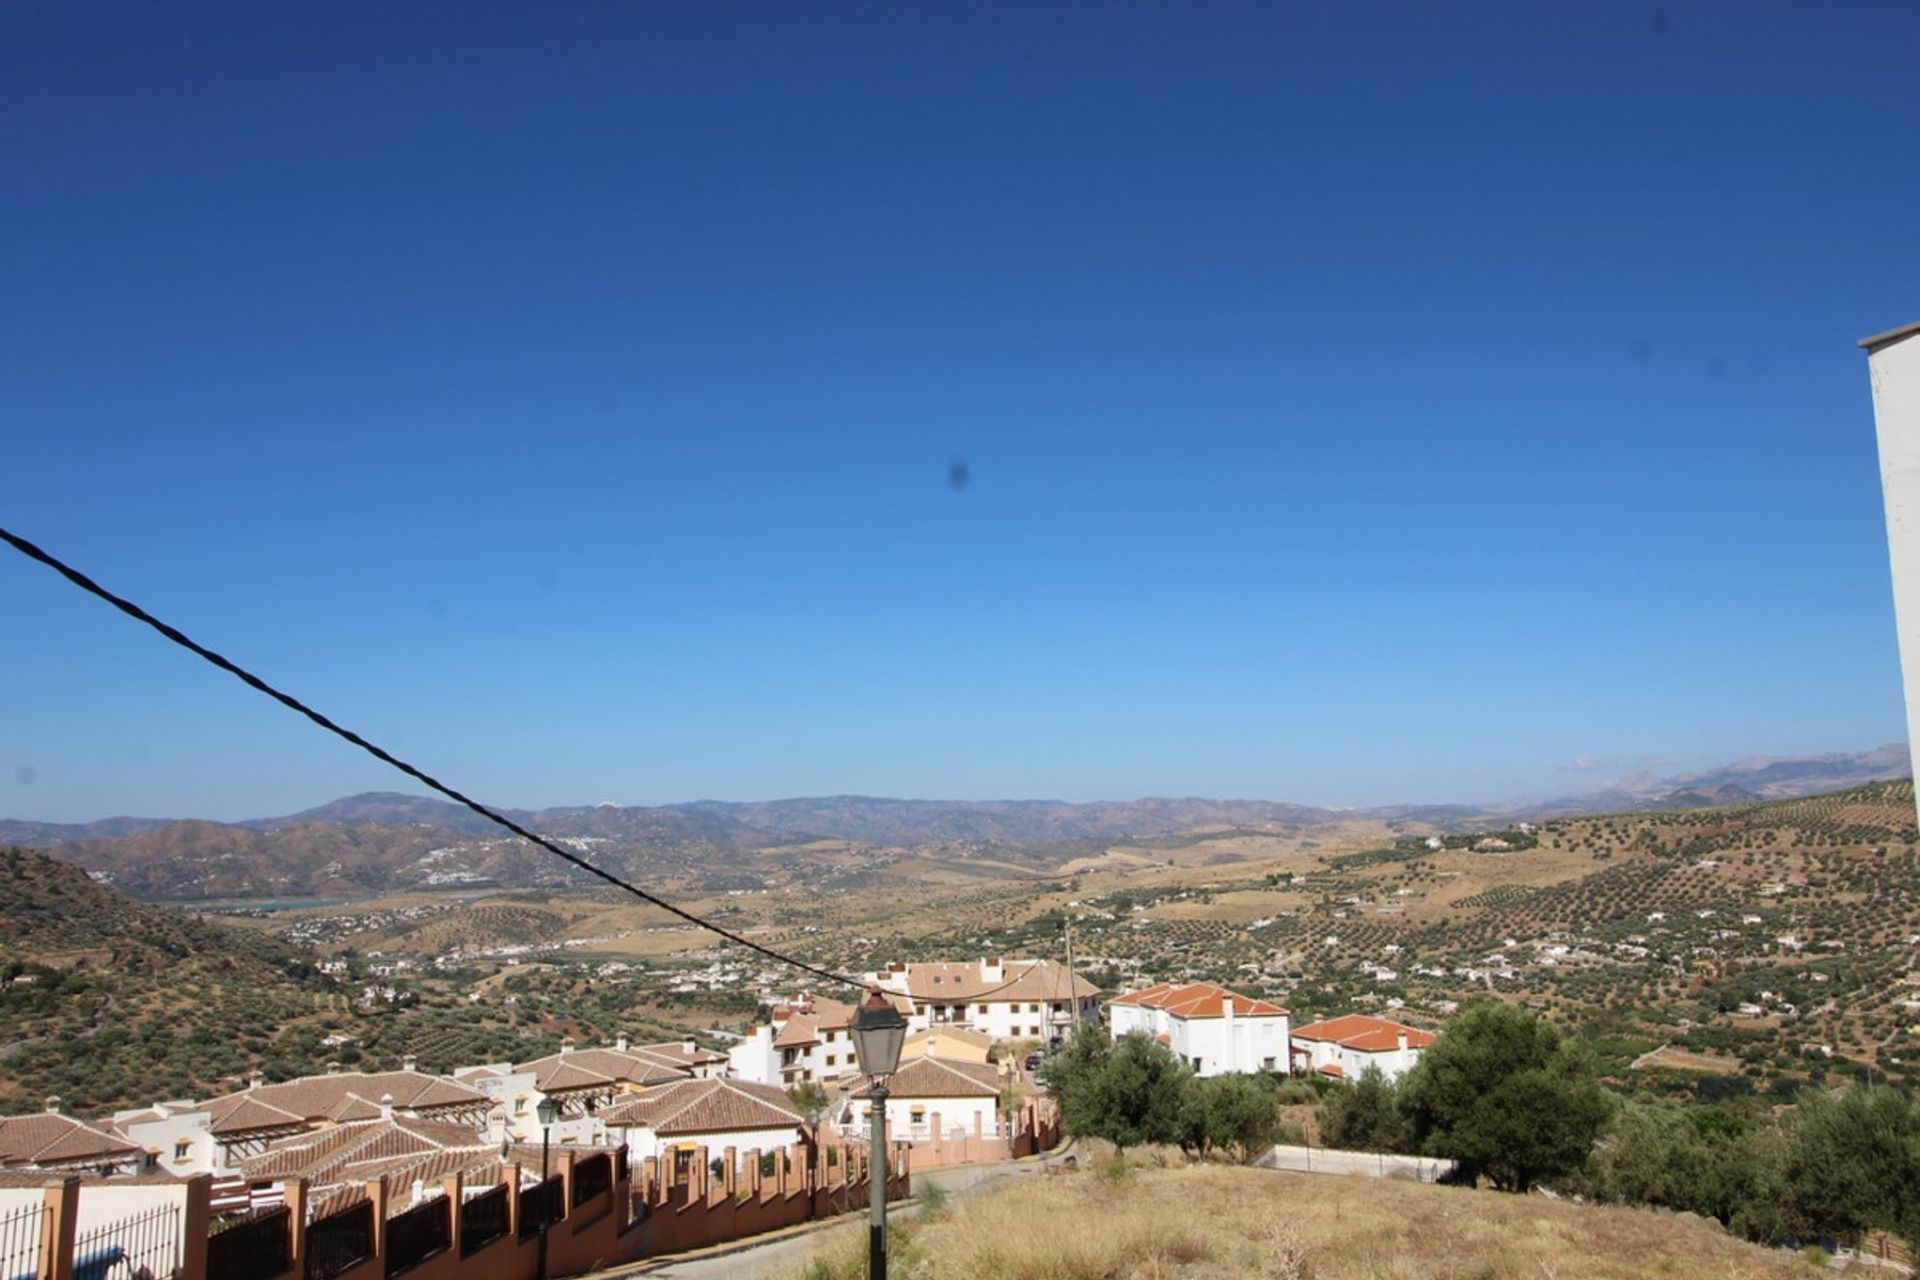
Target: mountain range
x: 380, y: 842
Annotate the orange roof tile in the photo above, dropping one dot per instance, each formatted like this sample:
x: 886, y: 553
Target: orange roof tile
x: 1200, y: 1000
x: 1364, y: 1034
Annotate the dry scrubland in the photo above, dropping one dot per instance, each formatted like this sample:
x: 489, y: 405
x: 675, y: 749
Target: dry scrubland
x: 1216, y: 1221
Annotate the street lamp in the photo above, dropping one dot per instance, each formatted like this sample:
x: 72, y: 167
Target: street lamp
x: 878, y: 1032
x: 548, y: 1111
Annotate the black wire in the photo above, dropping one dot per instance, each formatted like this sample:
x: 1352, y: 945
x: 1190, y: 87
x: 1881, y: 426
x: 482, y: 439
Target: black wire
x: 134, y: 611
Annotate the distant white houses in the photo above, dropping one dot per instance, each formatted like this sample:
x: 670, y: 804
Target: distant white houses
x: 1345, y: 1047
x: 1208, y: 1027
x: 1007, y: 1000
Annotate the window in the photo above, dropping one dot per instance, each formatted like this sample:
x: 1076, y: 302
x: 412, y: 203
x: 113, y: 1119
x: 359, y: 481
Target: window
x: 830, y: 1059
x: 182, y: 1149
x: 1033, y: 1031
x: 1196, y: 1064
x: 1033, y: 1008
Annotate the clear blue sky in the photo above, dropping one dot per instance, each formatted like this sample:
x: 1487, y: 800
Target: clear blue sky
x: 1361, y: 402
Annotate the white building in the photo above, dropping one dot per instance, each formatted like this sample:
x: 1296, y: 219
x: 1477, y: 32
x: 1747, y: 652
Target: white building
x: 1211, y: 1029
x: 715, y: 1114
x: 1345, y: 1047
x: 1893, y: 367
x: 1008, y: 1000
x: 930, y: 1098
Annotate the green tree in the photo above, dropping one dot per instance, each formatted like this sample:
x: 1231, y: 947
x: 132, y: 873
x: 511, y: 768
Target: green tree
x: 1854, y: 1164
x: 1365, y: 1116
x: 809, y: 1097
x: 1237, y: 1114
x: 1128, y: 1091
x: 1505, y: 1096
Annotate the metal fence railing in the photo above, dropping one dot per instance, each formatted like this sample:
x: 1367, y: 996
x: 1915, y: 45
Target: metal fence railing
x: 142, y: 1246
x: 540, y: 1206
x: 418, y: 1234
x: 20, y: 1231
x: 483, y: 1219
x: 258, y: 1248
x: 591, y: 1178
x: 340, y: 1241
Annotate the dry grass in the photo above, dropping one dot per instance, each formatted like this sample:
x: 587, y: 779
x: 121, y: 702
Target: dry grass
x: 1211, y: 1223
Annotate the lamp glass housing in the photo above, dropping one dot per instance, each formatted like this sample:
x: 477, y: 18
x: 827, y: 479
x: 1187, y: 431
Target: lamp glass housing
x: 878, y: 1034
x: 548, y: 1110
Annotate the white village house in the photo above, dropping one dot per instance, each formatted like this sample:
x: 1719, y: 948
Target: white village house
x: 1208, y: 1027
x: 1345, y: 1047
x: 715, y: 1114
x: 928, y: 1099
x: 1008, y: 1000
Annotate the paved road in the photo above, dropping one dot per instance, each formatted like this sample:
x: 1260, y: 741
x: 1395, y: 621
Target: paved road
x: 960, y: 1182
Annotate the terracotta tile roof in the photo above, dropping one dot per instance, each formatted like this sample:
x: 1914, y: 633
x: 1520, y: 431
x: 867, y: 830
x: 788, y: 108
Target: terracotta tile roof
x: 801, y: 1030
x: 600, y: 1068
x: 1199, y: 1000
x: 706, y: 1106
x: 1364, y: 1034
x: 678, y: 1053
x: 939, y: 1078
x: 1018, y: 980
x: 50, y: 1138
x: 333, y: 1154
x: 243, y: 1113
x: 311, y: 1098
x: 1333, y: 1069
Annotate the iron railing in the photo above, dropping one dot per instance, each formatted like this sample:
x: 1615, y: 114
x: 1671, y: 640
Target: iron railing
x: 483, y: 1220
x: 20, y: 1232
x: 418, y: 1234
x: 145, y: 1245
x: 540, y: 1206
x: 339, y: 1242
x: 591, y: 1177
x: 257, y: 1248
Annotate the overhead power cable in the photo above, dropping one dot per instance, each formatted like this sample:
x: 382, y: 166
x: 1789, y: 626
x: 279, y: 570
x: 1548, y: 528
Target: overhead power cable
x: 180, y: 638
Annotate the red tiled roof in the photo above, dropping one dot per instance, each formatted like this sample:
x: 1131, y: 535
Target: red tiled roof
x: 940, y: 1078
x: 706, y: 1106
x: 1200, y: 1000
x: 600, y: 1068
x: 1364, y: 1034
x: 1019, y: 980
x: 51, y: 1138
x: 1333, y: 1069
x: 309, y: 1098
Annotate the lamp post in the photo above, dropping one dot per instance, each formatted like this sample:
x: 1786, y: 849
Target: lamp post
x: 878, y: 1033
x: 548, y: 1111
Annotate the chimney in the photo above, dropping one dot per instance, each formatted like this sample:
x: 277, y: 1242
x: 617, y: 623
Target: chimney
x: 688, y: 1047
x: 566, y: 1043
x: 409, y: 1063
x: 386, y: 1106
x: 333, y: 1068
x: 53, y: 1105
x: 620, y: 1043
x: 1403, y: 1040
x: 255, y: 1079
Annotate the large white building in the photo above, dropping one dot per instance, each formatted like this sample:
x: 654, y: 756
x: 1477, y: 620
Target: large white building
x: 1893, y: 364
x: 1008, y: 1000
x: 1345, y: 1047
x: 1211, y: 1029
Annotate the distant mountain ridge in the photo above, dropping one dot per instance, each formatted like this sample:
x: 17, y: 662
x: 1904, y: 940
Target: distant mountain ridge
x: 385, y: 841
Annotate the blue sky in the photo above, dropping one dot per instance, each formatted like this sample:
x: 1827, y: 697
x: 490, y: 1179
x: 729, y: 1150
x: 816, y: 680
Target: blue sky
x: 1360, y: 403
